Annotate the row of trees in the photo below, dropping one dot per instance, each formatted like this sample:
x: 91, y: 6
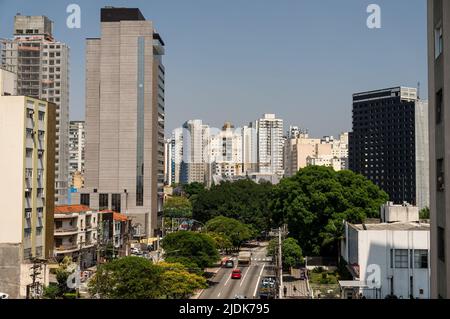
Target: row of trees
x: 138, y: 278
x: 313, y: 203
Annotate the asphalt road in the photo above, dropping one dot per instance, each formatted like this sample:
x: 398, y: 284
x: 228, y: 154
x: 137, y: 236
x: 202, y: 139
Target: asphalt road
x: 224, y: 287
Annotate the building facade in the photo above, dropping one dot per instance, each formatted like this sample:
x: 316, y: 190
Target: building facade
x: 439, y: 142
x: 195, y: 166
x: 270, y: 145
x: 77, y: 142
x: 75, y: 234
x: 42, y: 67
x: 388, y: 143
x: 390, y: 258
x: 27, y: 140
x: 124, y: 164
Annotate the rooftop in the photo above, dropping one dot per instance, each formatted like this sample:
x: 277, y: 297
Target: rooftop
x: 402, y: 226
x: 69, y: 209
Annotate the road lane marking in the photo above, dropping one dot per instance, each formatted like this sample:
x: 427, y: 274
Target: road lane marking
x: 243, y: 278
x: 259, y: 278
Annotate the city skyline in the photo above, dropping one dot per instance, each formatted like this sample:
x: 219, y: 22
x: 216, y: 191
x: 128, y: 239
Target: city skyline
x: 203, y: 61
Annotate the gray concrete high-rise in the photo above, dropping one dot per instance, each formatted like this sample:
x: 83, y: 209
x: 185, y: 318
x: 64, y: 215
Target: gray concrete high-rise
x: 439, y: 142
x: 124, y: 162
x: 42, y: 67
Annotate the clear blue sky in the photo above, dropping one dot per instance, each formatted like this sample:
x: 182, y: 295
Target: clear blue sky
x: 234, y: 60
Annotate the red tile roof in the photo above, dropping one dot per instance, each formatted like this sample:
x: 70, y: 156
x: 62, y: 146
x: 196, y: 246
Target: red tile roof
x: 68, y: 209
x: 120, y: 217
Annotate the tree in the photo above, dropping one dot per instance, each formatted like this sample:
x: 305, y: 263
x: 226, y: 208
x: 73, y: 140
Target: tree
x: 60, y: 289
x: 233, y: 229
x: 243, y: 200
x: 127, y: 278
x: 177, y: 207
x: 424, y: 213
x: 291, y: 252
x: 222, y: 241
x: 315, y: 202
x: 193, y: 189
x: 178, y: 282
x: 197, y: 247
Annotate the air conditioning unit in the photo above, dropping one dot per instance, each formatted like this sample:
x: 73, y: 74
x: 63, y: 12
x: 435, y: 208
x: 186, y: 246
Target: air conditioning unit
x: 27, y: 214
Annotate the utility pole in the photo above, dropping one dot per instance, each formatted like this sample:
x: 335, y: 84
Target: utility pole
x: 280, y: 263
x: 35, y: 288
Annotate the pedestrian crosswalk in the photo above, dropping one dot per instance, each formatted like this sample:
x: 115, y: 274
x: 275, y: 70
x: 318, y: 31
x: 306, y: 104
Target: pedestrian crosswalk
x: 266, y: 259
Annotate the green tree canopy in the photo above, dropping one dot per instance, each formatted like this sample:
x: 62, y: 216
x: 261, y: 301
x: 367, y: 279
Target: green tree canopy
x: 197, y: 247
x: 127, y: 278
x: 178, y: 282
x: 291, y: 252
x: 243, y: 200
x: 316, y: 200
x: 177, y: 207
x: 236, y: 231
x: 222, y: 241
x: 193, y: 189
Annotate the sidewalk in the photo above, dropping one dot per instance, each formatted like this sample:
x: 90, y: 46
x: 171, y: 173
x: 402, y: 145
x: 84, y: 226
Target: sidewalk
x: 214, y: 271
x: 296, y: 288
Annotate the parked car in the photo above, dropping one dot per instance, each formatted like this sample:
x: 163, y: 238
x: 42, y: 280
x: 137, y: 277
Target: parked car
x: 3, y: 295
x: 229, y: 264
x: 236, y: 274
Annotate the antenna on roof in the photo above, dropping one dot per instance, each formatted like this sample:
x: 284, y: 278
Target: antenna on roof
x: 418, y: 90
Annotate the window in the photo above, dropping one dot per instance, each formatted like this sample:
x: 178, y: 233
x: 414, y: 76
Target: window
x: 115, y: 202
x: 440, y: 175
x: 438, y: 41
x: 439, y: 107
x: 85, y: 199
x: 420, y: 259
x: 29, y: 152
x: 401, y: 258
x: 441, y: 243
x: 103, y: 202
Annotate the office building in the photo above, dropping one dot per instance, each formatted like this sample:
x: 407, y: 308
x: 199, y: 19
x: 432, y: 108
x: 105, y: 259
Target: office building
x: 42, y: 67
x: 388, y: 143
x: 27, y: 140
x: 124, y: 159
x: 176, y: 157
x: 439, y: 142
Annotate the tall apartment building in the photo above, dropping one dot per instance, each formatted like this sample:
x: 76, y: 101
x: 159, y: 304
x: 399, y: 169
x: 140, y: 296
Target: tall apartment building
x: 77, y: 142
x: 270, y: 145
x: 225, y: 151
x: 8, y: 82
x: 439, y: 120
x: 388, y: 143
x: 124, y: 164
x: 168, y: 161
x: 42, y: 67
x: 27, y: 140
x: 249, y: 149
x: 195, y: 164
x: 176, y: 157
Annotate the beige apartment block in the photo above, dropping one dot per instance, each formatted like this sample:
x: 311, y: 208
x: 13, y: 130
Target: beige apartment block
x: 27, y: 140
x: 124, y: 155
x: 41, y: 65
x: 439, y: 141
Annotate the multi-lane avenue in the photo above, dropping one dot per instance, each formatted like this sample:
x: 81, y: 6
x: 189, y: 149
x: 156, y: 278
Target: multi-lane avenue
x: 224, y: 287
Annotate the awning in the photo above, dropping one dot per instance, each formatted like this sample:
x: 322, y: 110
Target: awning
x: 148, y: 241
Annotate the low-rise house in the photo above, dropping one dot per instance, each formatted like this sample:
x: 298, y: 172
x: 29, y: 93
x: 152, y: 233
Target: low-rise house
x: 389, y: 258
x: 75, y: 234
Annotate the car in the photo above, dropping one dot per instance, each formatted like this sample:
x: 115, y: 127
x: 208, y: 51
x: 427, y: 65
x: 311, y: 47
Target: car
x: 229, y: 264
x: 4, y: 296
x: 236, y: 274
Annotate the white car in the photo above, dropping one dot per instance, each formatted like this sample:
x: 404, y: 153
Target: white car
x: 4, y: 296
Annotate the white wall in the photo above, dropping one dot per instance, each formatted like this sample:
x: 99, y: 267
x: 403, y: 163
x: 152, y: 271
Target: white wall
x: 375, y: 248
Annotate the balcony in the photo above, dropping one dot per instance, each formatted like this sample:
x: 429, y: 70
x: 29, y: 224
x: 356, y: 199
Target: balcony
x: 62, y: 249
x: 66, y: 231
